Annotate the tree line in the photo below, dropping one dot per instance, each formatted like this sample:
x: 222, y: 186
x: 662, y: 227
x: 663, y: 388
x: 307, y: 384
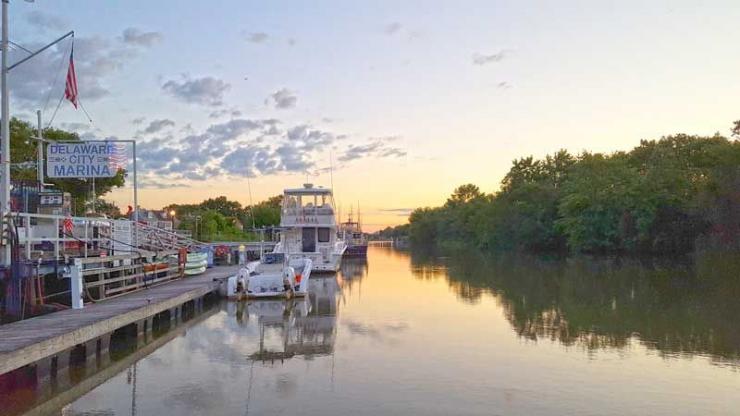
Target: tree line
x: 671, y: 195
x: 220, y: 219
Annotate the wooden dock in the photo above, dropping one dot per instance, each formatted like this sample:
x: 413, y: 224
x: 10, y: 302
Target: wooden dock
x: 28, y: 341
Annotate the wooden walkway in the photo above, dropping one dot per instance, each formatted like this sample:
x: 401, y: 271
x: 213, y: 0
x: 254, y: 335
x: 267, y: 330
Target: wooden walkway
x: 28, y: 341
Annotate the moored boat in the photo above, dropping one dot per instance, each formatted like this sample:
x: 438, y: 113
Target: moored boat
x: 274, y: 276
x: 351, y: 232
x: 309, y: 228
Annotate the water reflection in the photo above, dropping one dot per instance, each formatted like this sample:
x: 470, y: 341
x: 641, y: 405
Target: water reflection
x: 351, y: 272
x: 675, y: 306
x: 427, y: 335
x: 303, y: 326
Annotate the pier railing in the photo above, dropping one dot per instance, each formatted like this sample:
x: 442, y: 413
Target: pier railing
x: 54, y: 237
x: 95, y: 279
x: 48, y: 237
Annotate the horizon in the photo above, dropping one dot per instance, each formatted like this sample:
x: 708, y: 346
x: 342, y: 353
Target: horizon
x: 411, y: 97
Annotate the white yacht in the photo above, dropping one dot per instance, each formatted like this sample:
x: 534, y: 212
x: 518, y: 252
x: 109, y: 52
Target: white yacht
x: 309, y: 228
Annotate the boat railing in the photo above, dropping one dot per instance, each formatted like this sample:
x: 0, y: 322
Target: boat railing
x: 303, y: 211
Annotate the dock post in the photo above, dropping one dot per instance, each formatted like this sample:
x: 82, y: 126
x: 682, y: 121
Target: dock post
x: 174, y: 312
x: 43, y: 370
x: 75, y: 275
x: 102, y: 350
x: 60, y: 369
x: 91, y: 351
x: 44, y: 375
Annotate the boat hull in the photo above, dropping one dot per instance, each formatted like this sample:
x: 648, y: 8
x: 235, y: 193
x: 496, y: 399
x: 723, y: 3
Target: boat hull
x: 356, y: 251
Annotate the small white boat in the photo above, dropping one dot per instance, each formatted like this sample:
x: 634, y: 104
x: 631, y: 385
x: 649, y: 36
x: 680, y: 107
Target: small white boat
x: 272, y: 277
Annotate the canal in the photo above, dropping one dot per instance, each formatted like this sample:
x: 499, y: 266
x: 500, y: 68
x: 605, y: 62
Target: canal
x: 414, y: 334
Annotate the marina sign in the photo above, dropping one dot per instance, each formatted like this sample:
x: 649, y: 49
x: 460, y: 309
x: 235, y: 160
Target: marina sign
x: 98, y: 159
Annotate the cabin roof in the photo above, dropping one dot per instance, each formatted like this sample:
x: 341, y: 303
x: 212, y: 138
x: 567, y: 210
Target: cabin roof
x: 308, y: 191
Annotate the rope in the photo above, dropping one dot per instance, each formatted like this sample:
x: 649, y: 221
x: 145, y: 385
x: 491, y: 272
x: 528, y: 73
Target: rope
x: 83, y: 109
x: 55, y: 112
x: 56, y: 77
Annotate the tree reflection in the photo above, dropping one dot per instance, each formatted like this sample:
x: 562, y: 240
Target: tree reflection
x: 675, y: 306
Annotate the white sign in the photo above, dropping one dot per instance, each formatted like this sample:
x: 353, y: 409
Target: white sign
x: 84, y: 159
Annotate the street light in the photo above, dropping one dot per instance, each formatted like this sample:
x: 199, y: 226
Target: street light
x: 5, y: 123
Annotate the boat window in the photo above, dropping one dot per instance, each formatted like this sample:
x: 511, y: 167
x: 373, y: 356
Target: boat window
x: 324, y: 235
x: 356, y: 235
x: 308, y: 204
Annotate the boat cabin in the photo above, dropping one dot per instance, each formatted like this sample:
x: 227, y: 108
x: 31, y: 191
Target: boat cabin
x: 308, y: 219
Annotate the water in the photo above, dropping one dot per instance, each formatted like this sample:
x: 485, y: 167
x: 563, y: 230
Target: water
x: 464, y: 335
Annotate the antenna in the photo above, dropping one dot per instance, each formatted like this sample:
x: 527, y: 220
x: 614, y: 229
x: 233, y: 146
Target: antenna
x: 331, y: 170
x: 331, y: 182
x: 251, y: 204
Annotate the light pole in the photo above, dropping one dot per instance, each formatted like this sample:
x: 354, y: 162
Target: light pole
x: 5, y: 125
x: 197, y: 230
x: 5, y: 136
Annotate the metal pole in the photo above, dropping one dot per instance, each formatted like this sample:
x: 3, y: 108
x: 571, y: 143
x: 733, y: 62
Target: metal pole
x: 5, y: 135
x: 94, y: 196
x: 40, y: 156
x: 136, y: 200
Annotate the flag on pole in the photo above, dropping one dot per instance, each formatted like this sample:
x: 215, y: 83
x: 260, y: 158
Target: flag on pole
x: 70, y: 89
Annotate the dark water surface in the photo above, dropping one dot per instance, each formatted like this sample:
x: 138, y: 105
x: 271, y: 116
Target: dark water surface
x: 464, y: 335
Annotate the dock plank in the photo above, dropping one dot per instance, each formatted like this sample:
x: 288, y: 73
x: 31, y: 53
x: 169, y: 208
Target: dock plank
x: 27, y: 341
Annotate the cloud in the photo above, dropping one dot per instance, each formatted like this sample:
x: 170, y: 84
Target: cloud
x: 96, y: 60
x: 153, y: 184
x: 481, y: 59
x: 156, y: 126
x: 207, y: 91
x: 45, y: 21
x: 392, y: 28
x: 377, y: 147
x: 398, y: 211
x: 282, y: 99
x: 223, y: 112
x: 244, y: 147
x: 138, y: 120
x: 257, y: 37
x: 75, y: 126
x: 291, y: 42
x: 133, y: 36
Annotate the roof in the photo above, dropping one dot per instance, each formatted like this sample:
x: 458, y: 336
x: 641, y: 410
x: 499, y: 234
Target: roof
x: 308, y: 189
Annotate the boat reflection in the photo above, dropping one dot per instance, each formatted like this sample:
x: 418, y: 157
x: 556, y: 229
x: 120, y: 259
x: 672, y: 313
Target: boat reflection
x: 351, y: 273
x: 298, y: 327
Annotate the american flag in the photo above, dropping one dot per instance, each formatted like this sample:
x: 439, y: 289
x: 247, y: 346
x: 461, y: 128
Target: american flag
x: 118, y: 159
x: 70, y: 89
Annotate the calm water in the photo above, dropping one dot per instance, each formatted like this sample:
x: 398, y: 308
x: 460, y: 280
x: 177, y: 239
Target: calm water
x: 465, y: 335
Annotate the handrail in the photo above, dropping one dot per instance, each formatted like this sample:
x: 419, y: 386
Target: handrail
x: 91, y: 237
x: 95, y: 279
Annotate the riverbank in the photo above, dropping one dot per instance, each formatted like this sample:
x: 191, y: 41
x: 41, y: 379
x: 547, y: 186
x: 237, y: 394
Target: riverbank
x: 668, y: 196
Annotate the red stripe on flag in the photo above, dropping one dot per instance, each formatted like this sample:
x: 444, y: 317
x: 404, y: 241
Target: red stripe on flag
x: 70, y: 88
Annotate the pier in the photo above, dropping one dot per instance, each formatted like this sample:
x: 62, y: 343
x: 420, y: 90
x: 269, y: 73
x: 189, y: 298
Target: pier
x: 49, y: 340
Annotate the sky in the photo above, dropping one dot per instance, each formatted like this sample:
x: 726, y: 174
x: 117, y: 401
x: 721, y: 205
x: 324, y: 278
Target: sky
x: 394, y: 103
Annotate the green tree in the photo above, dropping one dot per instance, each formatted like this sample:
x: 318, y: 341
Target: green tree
x: 23, y: 149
